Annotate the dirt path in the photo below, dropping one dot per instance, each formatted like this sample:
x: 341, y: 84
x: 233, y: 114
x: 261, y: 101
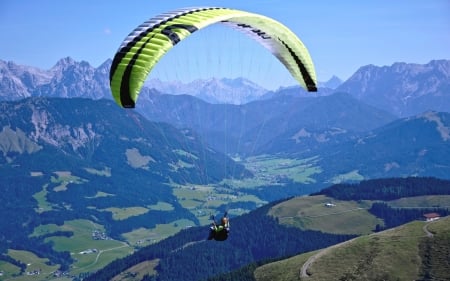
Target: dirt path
x: 427, y: 232
x: 107, y: 250
x: 313, y: 258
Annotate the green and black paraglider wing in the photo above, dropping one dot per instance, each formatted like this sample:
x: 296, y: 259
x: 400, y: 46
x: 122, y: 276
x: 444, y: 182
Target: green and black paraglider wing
x: 145, y: 45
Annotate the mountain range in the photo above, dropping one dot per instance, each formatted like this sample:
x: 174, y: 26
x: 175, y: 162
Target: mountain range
x: 402, y: 89
x: 213, y: 90
x: 331, y: 130
x: 67, y: 78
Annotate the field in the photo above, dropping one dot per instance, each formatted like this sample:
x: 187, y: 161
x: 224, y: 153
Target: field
x: 326, y: 214
x: 124, y: 213
x: 8, y: 270
x: 63, y: 178
x: 141, y: 237
x: 34, y: 264
x: 203, y: 200
x: 161, y: 206
x: 43, y: 204
x: 269, y: 170
x: 350, y: 176
x: 106, y: 172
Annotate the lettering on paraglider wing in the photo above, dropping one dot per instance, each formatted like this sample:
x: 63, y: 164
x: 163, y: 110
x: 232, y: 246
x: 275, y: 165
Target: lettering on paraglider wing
x: 243, y: 25
x: 258, y: 32
x: 261, y: 33
x: 173, y: 36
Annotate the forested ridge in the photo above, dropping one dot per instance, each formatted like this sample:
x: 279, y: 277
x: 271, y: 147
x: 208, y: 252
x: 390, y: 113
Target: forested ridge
x: 254, y: 237
x: 387, y: 189
x: 393, y: 217
x: 390, y: 189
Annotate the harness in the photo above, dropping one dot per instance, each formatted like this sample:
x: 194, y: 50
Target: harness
x: 221, y: 232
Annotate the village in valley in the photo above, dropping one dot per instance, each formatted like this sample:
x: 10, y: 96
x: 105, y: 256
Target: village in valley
x: 99, y: 235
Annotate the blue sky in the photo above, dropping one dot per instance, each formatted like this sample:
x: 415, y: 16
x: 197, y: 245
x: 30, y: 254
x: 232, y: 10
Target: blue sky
x: 340, y: 35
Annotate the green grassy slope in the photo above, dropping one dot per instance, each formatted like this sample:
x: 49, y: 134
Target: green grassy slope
x: 395, y: 254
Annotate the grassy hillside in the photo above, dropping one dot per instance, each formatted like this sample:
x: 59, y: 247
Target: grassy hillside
x: 395, y: 254
x: 435, y: 252
x: 326, y: 214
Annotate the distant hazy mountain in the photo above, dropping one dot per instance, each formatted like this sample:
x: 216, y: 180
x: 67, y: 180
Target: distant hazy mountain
x: 284, y: 123
x: 213, y: 90
x: 403, y: 89
x: 324, y: 89
x: 310, y: 123
x: 234, y: 91
x: 332, y: 83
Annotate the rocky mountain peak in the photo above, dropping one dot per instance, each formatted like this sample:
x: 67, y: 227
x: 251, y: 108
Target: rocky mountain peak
x: 63, y: 63
x: 332, y: 83
x: 403, y: 88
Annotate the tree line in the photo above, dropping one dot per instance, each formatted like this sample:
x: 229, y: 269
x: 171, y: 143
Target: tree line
x: 393, y: 217
x: 387, y: 189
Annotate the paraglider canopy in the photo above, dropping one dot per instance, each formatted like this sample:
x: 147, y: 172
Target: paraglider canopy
x: 144, y: 46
